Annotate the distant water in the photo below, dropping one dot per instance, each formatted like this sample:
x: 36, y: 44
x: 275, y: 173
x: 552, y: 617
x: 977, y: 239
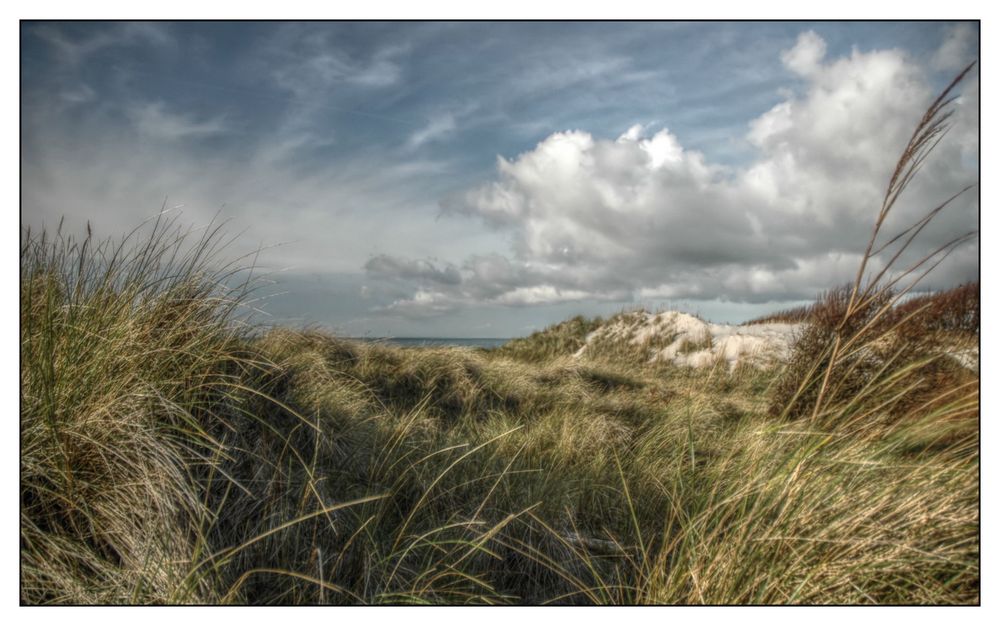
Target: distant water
x: 424, y: 342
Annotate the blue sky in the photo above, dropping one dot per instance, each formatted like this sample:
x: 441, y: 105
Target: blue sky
x: 487, y: 179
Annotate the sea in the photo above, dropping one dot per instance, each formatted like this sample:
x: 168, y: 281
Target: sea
x: 433, y: 342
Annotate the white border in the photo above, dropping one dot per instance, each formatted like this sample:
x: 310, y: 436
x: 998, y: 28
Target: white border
x: 509, y: 9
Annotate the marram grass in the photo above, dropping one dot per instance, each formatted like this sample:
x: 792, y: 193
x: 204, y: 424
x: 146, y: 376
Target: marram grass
x: 173, y: 453
x: 170, y: 455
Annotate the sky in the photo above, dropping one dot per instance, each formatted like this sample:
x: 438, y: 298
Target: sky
x: 449, y: 179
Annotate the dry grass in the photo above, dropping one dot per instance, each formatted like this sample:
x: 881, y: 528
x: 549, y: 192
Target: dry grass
x: 172, y: 454
x: 861, y: 354
x: 795, y: 315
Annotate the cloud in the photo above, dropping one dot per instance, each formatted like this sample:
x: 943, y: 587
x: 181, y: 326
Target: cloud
x: 424, y: 303
x: 422, y: 270
x: 958, y: 48
x: 642, y: 216
x: 481, y: 280
x: 309, y: 62
x: 807, y: 54
x: 72, y: 53
x: 154, y: 119
x: 331, y: 118
x: 315, y: 73
x: 328, y: 218
x: 542, y: 294
x: 75, y: 51
x: 79, y: 94
x: 550, y: 73
x: 435, y: 129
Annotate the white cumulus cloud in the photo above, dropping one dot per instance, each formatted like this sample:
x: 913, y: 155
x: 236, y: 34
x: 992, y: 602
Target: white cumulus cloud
x: 805, y: 57
x: 643, y: 216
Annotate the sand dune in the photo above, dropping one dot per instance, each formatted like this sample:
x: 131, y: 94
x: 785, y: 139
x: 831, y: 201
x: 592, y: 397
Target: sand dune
x: 685, y: 340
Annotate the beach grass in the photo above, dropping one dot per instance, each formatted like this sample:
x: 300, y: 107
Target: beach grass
x: 172, y: 452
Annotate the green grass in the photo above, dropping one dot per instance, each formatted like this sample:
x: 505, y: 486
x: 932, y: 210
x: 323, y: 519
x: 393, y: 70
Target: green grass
x: 173, y: 453
x: 557, y: 340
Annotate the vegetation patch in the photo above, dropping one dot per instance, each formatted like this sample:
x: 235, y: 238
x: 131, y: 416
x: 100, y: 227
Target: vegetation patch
x: 171, y: 453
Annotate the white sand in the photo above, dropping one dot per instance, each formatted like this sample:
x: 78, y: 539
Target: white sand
x: 968, y: 358
x: 756, y: 345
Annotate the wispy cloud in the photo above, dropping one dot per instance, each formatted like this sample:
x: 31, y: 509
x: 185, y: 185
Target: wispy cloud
x: 155, y: 119
x: 308, y: 62
x: 75, y: 51
x: 436, y: 129
x: 78, y: 94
